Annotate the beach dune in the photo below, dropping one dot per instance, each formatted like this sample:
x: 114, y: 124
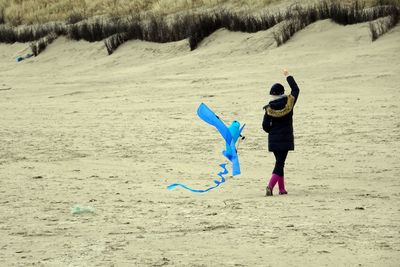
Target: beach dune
x: 79, y: 127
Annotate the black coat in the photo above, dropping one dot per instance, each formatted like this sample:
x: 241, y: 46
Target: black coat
x: 278, y: 120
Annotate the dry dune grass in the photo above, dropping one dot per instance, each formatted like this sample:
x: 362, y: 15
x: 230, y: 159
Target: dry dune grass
x: 196, y: 25
x: 17, y: 12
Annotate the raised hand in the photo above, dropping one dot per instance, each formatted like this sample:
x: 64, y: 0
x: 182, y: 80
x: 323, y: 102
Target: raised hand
x: 285, y: 72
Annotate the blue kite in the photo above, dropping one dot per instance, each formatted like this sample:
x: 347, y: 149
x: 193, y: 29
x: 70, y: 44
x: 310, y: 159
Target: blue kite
x: 230, y: 134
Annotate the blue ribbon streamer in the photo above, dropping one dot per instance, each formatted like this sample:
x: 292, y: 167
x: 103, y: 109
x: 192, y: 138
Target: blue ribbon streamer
x: 217, y: 183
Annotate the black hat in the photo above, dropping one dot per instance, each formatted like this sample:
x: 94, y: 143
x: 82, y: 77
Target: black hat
x: 277, y: 89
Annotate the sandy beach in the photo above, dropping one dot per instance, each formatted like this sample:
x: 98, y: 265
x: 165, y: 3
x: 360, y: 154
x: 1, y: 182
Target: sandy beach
x: 79, y: 127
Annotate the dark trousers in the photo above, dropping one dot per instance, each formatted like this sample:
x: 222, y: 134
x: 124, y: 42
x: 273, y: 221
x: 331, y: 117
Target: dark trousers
x: 280, y: 157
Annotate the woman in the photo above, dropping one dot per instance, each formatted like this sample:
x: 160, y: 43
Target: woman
x: 278, y: 123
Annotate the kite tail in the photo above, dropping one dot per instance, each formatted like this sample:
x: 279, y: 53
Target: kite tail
x: 217, y: 183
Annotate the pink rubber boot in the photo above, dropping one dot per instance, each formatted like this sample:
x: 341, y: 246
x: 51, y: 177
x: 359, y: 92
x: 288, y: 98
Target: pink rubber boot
x: 272, y: 182
x: 281, y: 184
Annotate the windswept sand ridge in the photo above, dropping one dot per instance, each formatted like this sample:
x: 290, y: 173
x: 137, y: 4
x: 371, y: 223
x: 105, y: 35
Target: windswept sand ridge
x: 80, y: 127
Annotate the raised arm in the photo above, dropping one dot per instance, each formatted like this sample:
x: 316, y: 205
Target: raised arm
x: 293, y: 85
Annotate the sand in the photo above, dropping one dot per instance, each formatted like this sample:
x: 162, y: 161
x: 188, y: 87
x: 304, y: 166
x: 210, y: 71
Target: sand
x: 78, y: 127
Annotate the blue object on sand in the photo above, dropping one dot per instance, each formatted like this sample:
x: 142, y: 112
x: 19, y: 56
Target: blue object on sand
x: 24, y: 57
